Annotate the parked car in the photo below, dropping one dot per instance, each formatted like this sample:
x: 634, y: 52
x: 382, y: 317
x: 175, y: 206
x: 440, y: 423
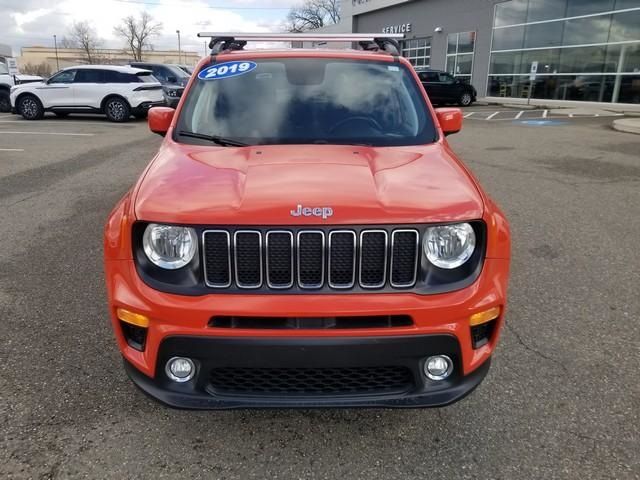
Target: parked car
x: 117, y: 92
x: 7, y: 81
x: 306, y: 237
x: 187, y: 69
x: 443, y: 88
x: 172, y: 77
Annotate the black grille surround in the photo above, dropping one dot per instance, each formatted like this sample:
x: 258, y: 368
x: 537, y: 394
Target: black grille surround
x: 338, y: 259
x: 310, y: 259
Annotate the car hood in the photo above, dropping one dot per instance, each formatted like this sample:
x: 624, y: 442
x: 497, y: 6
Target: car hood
x: 261, y: 185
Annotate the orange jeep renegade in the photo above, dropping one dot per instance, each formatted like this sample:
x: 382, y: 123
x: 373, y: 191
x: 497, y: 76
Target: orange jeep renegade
x: 306, y: 237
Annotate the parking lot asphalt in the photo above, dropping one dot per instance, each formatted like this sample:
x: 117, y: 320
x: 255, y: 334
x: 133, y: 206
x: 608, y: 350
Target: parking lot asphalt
x: 562, y: 399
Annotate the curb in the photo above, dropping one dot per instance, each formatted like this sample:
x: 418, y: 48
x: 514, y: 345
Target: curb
x: 627, y: 125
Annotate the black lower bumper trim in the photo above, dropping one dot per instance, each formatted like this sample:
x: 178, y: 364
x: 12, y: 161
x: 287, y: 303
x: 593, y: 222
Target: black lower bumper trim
x: 310, y: 354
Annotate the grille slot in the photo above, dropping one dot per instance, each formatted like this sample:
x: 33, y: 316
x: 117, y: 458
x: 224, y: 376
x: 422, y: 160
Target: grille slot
x: 311, y: 381
x: 404, y: 254
x: 342, y: 258
x: 373, y: 258
x: 310, y: 259
x: 311, y: 323
x: 217, y: 258
x: 279, y: 246
x: 303, y: 259
x: 248, y: 258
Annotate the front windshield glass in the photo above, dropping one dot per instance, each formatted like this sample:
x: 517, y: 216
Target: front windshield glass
x: 301, y: 100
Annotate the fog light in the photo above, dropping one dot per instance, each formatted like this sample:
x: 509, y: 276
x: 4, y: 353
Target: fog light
x: 180, y: 369
x: 438, y: 367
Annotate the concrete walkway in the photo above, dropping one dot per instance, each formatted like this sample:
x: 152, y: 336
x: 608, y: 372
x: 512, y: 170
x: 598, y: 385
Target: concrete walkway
x: 628, y: 125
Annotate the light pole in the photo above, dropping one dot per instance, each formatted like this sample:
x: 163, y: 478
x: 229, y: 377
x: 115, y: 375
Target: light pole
x: 55, y: 45
x: 178, y: 32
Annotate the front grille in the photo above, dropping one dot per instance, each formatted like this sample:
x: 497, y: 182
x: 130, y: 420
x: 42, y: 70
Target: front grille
x: 339, y: 259
x: 311, y: 381
x: 314, y: 323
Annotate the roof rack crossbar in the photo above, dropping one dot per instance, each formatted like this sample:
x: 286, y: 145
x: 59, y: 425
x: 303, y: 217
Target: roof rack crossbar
x: 388, y: 42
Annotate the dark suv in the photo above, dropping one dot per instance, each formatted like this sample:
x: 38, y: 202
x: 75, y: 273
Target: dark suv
x: 172, y: 77
x: 442, y: 87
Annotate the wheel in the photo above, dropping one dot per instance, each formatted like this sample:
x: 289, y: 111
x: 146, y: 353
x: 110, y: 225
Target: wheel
x: 5, y: 103
x: 465, y: 100
x: 30, y: 108
x: 117, y: 109
x: 61, y: 114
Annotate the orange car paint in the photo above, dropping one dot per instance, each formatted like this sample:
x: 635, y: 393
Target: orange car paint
x: 258, y: 185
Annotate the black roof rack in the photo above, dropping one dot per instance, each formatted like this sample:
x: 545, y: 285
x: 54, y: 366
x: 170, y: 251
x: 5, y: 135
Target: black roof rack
x: 386, y: 42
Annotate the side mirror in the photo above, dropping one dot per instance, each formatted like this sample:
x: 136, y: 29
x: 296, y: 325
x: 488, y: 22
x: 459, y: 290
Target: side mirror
x: 159, y: 119
x: 450, y: 120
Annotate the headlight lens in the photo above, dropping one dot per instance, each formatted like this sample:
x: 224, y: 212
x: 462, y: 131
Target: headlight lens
x: 449, y: 246
x: 168, y: 246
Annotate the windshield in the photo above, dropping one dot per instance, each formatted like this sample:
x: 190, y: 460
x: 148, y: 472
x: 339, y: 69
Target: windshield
x: 303, y: 100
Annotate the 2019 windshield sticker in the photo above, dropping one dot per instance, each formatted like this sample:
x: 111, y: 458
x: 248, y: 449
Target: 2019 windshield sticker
x: 226, y: 70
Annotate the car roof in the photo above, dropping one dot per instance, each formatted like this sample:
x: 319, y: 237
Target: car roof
x: 116, y: 68
x: 427, y: 69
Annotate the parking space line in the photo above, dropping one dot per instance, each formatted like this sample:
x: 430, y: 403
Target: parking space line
x: 519, y: 114
x: 545, y: 113
x: 11, y: 149
x: 64, y: 122
x: 469, y: 114
x: 50, y: 133
x: 492, y: 115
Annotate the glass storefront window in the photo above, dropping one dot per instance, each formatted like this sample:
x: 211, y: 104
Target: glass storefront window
x: 460, y: 47
x: 417, y: 51
x: 511, y: 13
x: 622, y: 4
x: 507, y: 62
x: 546, y: 10
x: 584, y: 31
x: 510, y: 38
x: 625, y: 26
x: 593, y: 58
x: 543, y: 35
x: 587, y: 7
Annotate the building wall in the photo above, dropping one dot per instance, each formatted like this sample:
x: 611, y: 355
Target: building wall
x: 451, y: 16
x: 68, y: 57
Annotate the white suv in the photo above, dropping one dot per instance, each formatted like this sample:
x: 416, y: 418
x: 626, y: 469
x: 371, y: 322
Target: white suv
x: 118, y: 92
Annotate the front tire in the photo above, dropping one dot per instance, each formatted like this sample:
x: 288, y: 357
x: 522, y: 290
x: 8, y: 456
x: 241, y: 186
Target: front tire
x: 5, y: 102
x: 117, y: 110
x: 30, y: 107
x: 465, y: 100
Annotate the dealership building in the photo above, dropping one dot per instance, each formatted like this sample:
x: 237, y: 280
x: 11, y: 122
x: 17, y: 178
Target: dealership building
x: 581, y: 50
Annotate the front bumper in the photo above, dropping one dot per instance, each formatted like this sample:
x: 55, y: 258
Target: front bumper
x: 333, y: 355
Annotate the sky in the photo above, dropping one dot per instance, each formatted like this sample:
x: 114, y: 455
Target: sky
x: 34, y: 22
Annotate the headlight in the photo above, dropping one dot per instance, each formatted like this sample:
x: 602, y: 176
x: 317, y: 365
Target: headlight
x: 168, y: 246
x: 449, y: 246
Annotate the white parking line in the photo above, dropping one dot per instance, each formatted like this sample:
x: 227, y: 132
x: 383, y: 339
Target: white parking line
x: 64, y: 122
x: 11, y: 149
x: 519, y: 114
x: 492, y: 115
x: 469, y: 114
x: 545, y: 113
x: 50, y: 133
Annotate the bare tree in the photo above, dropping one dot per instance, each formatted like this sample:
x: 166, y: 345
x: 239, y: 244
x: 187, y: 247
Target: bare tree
x: 138, y: 33
x: 83, y: 37
x: 313, y: 14
x: 43, y: 69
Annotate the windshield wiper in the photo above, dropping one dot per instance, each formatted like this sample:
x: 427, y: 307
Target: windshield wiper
x: 225, y: 142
